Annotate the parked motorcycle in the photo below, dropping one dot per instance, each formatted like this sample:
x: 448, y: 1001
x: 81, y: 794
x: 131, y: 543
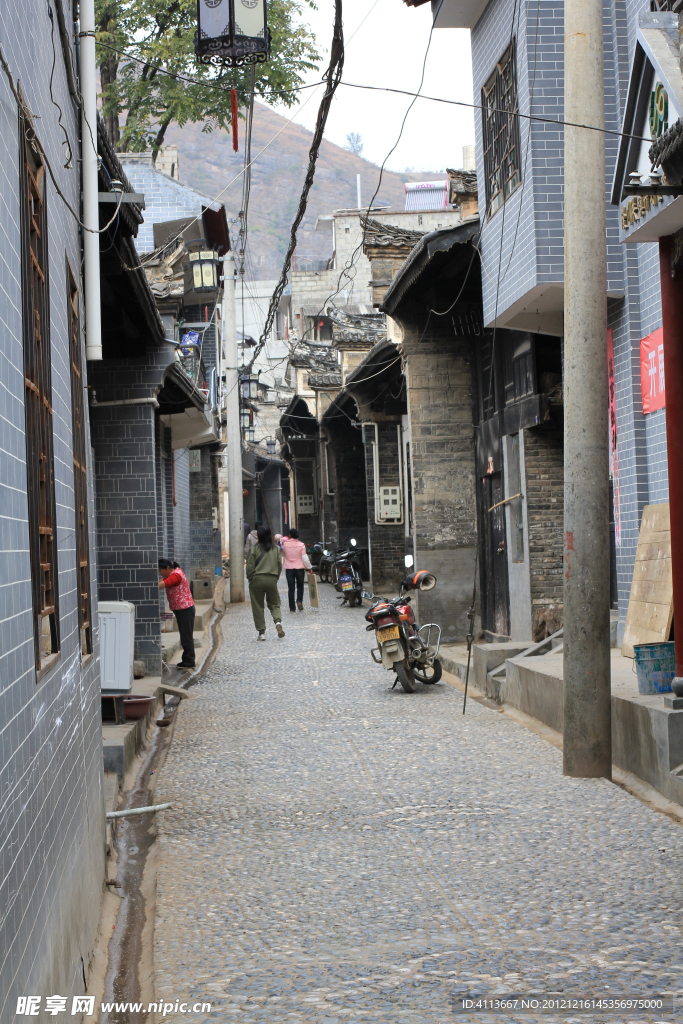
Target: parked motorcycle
x: 347, y: 577
x: 403, y: 646
x: 325, y: 562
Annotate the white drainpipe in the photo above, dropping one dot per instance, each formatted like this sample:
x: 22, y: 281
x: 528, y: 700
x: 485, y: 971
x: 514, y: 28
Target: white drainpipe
x: 91, y: 219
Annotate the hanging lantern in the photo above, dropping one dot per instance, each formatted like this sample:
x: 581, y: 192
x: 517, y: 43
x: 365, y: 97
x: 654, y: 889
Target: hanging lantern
x: 232, y: 32
x: 204, y: 268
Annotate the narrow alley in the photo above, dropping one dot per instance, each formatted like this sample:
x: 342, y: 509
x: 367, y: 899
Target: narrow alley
x: 338, y: 850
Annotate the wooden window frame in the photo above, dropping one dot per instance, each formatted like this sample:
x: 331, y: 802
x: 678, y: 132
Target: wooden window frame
x: 500, y: 124
x: 83, y: 585
x: 40, y: 462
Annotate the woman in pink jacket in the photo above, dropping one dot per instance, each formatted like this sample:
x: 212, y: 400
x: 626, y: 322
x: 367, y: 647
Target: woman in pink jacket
x: 295, y: 562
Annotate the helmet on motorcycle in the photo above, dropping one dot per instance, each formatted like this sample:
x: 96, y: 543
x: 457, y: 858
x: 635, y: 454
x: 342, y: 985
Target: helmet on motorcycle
x: 421, y: 580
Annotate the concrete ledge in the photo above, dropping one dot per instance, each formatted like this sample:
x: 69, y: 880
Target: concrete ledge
x: 488, y: 656
x: 122, y: 743
x: 647, y: 738
x: 202, y: 617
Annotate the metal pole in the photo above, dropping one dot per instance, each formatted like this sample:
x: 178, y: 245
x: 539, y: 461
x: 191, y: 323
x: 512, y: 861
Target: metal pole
x: 233, y: 434
x: 587, y: 704
x: 672, y: 323
x: 91, y: 215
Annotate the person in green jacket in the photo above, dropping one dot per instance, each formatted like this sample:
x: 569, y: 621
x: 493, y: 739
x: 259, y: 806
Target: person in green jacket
x: 264, y: 566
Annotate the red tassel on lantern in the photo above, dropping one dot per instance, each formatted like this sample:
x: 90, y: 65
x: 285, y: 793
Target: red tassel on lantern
x: 235, y: 133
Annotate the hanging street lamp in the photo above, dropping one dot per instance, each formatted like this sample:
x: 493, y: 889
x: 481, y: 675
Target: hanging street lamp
x: 232, y: 33
x: 204, y: 265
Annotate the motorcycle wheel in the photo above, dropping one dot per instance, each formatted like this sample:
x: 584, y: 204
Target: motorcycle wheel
x: 432, y: 673
x: 357, y: 600
x: 324, y: 573
x: 404, y: 676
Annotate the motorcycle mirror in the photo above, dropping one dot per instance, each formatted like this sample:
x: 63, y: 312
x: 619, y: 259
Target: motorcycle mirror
x: 409, y: 561
x: 353, y: 543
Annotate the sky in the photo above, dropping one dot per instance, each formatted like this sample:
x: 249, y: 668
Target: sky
x: 389, y: 50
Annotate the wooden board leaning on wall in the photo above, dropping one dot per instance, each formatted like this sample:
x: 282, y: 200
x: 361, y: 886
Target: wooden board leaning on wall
x: 650, y: 605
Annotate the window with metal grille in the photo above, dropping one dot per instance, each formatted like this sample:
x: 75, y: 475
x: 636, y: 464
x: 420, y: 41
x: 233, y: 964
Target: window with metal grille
x: 80, y: 476
x: 40, y: 466
x: 499, y: 102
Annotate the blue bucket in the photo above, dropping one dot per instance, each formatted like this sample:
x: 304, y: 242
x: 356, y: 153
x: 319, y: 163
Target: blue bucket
x: 655, y: 666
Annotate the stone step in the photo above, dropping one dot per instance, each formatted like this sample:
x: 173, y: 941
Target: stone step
x: 202, y: 616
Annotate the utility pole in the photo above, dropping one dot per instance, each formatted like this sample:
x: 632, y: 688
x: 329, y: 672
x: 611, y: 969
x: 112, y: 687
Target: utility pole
x: 233, y: 434
x: 587, y: 702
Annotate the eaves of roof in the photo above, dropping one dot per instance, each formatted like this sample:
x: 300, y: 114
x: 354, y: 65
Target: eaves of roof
x: 384, y: 352
x: 436, y: 242
x: 130, y: 213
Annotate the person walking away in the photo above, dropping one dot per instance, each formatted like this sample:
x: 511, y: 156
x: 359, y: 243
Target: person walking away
x: 181, y: 603
x: 251, y: 540
x: 264, y: 566
x: 295, y: 561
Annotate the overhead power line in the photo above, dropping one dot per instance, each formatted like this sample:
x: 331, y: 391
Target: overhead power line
x: 332, y: 79
x: 398, y: 92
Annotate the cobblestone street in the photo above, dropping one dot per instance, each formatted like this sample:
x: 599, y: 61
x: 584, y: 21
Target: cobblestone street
x: 337, y: 850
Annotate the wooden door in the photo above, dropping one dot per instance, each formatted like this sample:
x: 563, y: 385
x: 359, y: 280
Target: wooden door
x: 493, y: 554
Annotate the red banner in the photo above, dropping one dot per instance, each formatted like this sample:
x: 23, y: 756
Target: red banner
x: 652, y: 371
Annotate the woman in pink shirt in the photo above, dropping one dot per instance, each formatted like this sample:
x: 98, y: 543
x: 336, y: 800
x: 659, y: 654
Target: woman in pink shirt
x: 295, y: 562
x: 180, y: 601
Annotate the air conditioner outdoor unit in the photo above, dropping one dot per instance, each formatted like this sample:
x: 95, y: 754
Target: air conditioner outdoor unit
x: 117, y: 645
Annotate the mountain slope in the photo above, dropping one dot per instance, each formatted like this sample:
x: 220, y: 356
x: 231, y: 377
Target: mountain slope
x: 207, y: 162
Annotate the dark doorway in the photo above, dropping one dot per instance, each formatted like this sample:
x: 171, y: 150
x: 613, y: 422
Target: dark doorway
x: 493, y: 557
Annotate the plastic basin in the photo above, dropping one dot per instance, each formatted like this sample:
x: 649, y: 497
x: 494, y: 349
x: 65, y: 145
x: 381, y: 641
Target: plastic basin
x: 136, y: 706
x: 655, y: 666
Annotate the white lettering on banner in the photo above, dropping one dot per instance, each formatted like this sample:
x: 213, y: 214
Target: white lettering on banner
x: 83, y: 1004
x: 28, y: 1006
x: 55, y: 1005
x: 660, y: 355
x: 653, y: 373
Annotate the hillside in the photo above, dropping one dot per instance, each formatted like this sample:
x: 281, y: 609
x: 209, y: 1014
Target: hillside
x: 207, y: 162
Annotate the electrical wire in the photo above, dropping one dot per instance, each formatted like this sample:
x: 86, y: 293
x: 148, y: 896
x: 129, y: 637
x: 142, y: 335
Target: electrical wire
x: 35, y: 142
x: 332, y: 77
x: 353, y: 259
x: 402, y: 92
x: 67, y: 142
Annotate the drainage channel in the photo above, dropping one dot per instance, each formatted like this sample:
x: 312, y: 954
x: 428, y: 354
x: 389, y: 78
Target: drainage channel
x: 130, y: 968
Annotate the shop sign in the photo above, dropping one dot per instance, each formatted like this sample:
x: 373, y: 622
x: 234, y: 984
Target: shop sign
x: 636, y: 209
x: 652, y: 372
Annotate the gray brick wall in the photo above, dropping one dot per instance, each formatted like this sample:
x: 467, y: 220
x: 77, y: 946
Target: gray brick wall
x: 52, y: 836
x: 181, y: 509
x: 544, y: 467
x: 165, y: 197
x: 533, y: 223
x: 387, y: 540
x: 124, y: 439
x: 439, y: 388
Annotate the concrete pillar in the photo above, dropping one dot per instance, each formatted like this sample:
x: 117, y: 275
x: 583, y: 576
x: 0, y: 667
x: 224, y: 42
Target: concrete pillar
x: 233, y: 434
x: 587, y: 704
x: 672, y: 323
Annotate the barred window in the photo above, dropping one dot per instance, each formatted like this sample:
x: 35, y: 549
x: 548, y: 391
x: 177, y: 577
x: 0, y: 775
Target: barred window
x: 40, y: 465
x: 80, y: 475
x: 502, y: 170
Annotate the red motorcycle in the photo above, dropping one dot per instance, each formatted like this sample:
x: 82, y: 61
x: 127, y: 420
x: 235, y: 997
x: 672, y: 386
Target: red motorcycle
x: 404, y: 647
